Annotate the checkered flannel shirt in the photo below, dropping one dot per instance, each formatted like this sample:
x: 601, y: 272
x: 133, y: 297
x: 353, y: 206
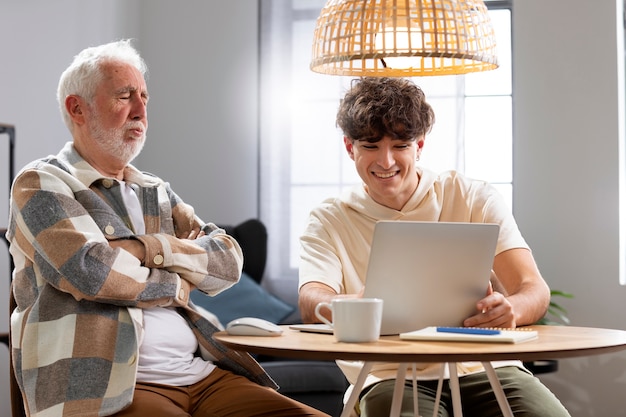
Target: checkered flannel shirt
x: 76, y: 330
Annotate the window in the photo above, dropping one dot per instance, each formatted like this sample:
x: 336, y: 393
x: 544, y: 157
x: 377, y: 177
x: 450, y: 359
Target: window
x: 302, y: 156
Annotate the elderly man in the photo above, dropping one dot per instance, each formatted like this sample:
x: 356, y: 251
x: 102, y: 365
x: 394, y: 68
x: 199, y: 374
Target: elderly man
x: 106, y: 257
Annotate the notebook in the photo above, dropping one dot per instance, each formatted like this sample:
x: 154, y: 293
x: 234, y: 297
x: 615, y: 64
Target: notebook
x: 455, y: 334
x: 427, y: 273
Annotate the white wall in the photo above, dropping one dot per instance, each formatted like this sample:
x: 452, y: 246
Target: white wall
x: 566, y: 121
x: 203, y: 83
x: 203, y: 122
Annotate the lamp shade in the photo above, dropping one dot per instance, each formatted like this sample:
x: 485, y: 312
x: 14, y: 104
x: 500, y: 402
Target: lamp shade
x: 403, y: 38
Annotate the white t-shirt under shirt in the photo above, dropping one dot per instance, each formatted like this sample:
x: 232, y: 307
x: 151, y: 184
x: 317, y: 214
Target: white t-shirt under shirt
x: 167, y: 353
x: 336, y: 243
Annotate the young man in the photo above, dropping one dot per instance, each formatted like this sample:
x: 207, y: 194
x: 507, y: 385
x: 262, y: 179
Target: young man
x: 106, y: 257
x: 385, y: 122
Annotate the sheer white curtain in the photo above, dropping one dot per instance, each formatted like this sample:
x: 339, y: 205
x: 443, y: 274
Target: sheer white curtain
x: 296, y: 119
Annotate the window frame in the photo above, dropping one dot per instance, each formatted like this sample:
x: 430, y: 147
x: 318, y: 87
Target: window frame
x: 275, y: 202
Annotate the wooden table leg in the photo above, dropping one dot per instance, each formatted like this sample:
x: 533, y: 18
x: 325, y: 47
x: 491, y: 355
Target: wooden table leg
x: 398, y: 391
x: 497, y: 390
x: 416, y: 412
x: 356, y: 389
x: 456, y: 391
x: 439, y: 389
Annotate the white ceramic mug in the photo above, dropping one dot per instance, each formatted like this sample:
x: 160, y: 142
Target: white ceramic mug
x: 354, y: 319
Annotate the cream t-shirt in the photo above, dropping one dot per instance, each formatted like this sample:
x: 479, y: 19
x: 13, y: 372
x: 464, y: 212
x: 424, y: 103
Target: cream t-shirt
x: 335, y: 245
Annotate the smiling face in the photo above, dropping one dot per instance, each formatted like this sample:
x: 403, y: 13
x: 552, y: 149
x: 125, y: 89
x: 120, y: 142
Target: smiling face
x: 384, y: 122
x: 387, y: 167
x: 110, y: 129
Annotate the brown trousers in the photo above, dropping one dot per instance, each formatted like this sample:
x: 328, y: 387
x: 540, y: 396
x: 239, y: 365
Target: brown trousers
x: 221, y: 394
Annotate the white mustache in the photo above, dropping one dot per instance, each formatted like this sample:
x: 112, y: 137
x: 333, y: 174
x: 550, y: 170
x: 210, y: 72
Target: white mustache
x: 136, y: 125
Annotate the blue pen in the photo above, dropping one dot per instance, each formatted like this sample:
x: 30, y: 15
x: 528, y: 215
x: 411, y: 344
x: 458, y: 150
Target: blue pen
x: 468, y: 330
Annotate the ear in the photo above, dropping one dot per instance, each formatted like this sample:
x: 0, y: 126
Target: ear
x: 74, y: 106
x: 420, y: 146
x: 349, y: 146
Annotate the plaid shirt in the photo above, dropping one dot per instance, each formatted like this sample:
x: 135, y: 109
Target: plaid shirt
x: 78, y: 324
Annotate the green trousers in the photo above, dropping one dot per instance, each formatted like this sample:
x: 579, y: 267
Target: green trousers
x: 527, y: 396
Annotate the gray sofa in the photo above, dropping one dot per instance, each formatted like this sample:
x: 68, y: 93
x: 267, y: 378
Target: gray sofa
x: 317, y: 383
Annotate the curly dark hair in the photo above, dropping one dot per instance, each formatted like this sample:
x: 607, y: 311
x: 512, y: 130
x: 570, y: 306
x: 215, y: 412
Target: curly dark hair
x: 375, y: 107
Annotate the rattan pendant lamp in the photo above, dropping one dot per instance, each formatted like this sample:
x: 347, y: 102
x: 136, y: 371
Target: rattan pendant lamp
x: 403, y: 38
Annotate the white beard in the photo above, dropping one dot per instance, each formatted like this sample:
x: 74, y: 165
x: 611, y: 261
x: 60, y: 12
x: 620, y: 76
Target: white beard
x: 112, y: 141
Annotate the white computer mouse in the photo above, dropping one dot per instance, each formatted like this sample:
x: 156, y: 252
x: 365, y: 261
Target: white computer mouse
x: 253, y: 326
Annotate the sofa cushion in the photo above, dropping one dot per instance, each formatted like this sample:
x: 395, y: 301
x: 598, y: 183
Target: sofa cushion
x: 244, y: 299
x: 252, y: 237
x: 320, y: 384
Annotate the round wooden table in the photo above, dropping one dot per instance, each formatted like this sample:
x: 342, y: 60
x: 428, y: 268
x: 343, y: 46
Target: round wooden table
x: 554, y: 342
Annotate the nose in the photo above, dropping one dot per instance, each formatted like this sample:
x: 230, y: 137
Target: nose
x: 386, y: 158
x: 139, y: 108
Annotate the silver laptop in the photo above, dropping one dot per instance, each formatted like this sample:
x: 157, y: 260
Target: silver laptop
x: 427, y: 273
